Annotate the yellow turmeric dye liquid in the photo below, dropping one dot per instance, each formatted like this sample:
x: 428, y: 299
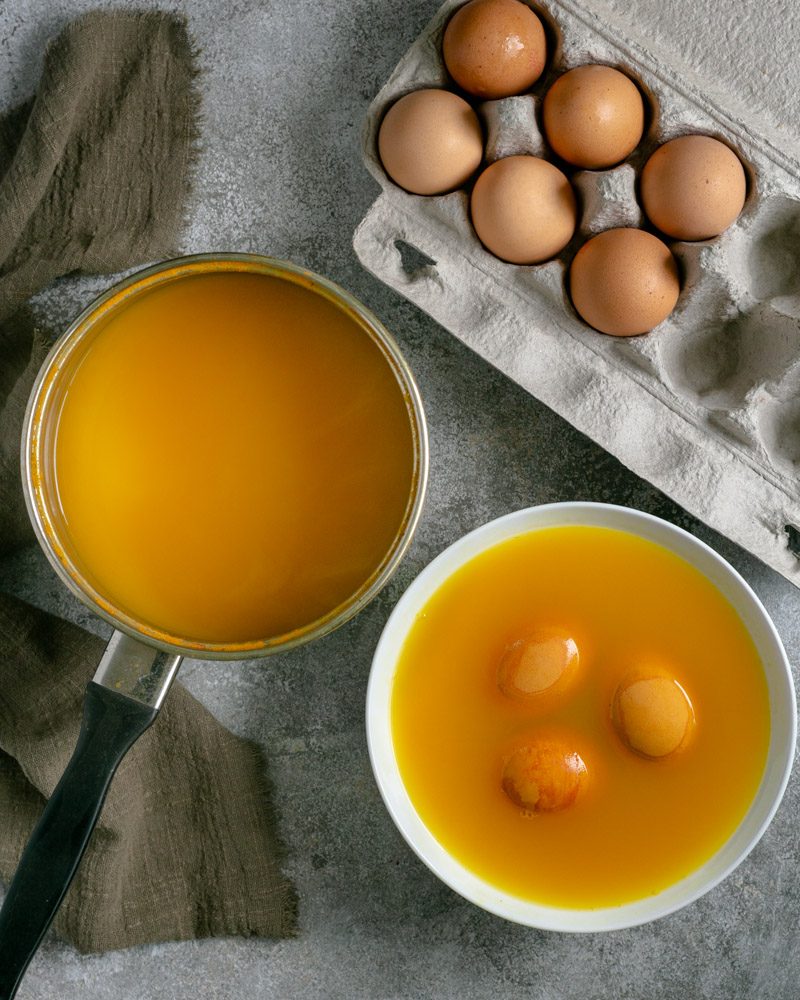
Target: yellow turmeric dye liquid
x: 639, y: 824
x: 234, y: 457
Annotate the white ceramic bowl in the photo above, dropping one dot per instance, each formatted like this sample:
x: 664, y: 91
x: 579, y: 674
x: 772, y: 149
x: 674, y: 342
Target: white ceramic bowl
x: 781, y: 700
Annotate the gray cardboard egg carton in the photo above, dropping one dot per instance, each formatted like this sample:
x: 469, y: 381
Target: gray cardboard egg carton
x: 707, y: 407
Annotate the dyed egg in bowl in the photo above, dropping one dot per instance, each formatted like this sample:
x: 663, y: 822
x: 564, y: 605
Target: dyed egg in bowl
x: 580, y: 717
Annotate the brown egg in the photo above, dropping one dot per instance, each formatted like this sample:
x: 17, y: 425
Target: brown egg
x: 652, y: 713
x: 693, y: 188
x: 494, y: 48
x: 593, y: 116
x: 544, y: 776
x: 523, y: 209
x: 537, y: 663
x: 624, y: 282
x: 430, y: 142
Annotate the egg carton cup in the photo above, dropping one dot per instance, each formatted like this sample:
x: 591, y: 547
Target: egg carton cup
x: 707, y: 406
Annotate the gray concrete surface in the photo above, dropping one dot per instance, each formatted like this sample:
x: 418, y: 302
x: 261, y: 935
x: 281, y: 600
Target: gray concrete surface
x: 285, y: 84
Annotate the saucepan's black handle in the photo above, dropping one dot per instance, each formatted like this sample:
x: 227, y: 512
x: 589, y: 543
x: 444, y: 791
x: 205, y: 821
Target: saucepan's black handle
x: 111, y: 724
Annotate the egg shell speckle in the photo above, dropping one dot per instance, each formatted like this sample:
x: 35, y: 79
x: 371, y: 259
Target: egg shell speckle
x: 430, y: 142
x: 593, y: 116
x: 652, y: 714
x: 624, y: 282
x: 544, y: 775
x: 693, y: 187
x: 494, y: 48
x: 523, y: 209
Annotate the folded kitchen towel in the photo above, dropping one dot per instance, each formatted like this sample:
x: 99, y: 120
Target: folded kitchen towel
x: 94, y: 174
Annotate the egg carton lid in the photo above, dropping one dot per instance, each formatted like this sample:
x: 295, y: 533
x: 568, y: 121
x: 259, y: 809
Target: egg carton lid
x: 531, y: 343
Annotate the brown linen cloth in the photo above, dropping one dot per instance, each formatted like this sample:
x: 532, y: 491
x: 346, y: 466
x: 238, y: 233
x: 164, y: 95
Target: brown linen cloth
x: 94, y: 174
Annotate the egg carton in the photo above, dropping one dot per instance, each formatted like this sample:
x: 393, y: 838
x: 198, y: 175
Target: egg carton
x: 707, y: 406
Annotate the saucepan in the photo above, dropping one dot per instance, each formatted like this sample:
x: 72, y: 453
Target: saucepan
x: 140, y: 662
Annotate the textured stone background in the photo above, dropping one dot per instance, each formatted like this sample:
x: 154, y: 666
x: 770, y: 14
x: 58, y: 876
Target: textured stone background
x: 285, y: 85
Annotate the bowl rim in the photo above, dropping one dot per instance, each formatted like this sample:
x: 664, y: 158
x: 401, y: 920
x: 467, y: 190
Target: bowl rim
x: 141, y: 281
x: 783, y: 718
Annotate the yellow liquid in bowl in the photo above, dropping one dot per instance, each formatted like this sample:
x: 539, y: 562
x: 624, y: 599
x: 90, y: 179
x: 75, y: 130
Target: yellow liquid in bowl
x: 638, y: 825
x: 234, y: 457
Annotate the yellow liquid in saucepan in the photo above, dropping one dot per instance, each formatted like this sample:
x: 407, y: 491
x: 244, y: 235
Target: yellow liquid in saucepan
x: 234, y: 457
x: 638, y: 825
